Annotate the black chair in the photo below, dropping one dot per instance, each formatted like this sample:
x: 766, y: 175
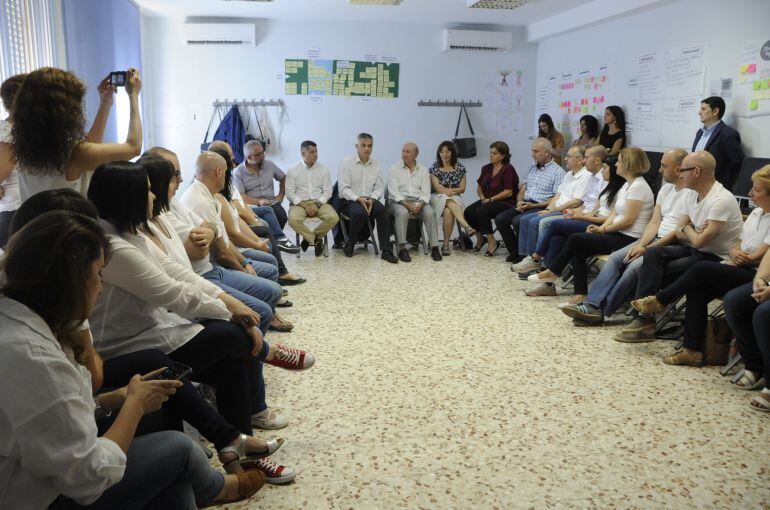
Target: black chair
x: 743, y: 184
x: 653, y: 177
x: 345, y: 223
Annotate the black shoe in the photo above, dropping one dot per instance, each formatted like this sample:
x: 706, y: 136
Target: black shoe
x: 403, y: 255
x: 319, y: 249
x: 388, y: 256
x: 348, y: 249
x: 284, y: 282
x: 514, y: 257
x: 338, y: 246
x: 304, y: 245
x: 284, y: 304
x: 285, y: 245
x: 435, y: 254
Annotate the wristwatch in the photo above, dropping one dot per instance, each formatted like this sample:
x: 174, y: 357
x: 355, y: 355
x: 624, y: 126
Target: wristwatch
x: 100, y: 412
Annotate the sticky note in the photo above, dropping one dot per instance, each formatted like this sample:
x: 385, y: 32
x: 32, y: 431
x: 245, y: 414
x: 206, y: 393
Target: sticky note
x: 744, y: 68
x: 752, y: 68
x: 594, y: 108
x: 757, y: 85
x: 754, y: 104
x: 766, y: 84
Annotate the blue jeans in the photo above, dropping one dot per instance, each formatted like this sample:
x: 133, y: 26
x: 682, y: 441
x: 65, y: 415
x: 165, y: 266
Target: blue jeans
x: 750, y: 323
x: 616, y: 282
x: 163, y: 470
x: 267, y: 213
x: 555, y: 233
x: 264, y: 264
x: 257, y: 293
x: 530, y: 225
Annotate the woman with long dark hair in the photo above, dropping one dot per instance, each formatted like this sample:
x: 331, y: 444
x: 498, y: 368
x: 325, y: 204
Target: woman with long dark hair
x: 54, y: 457
x: 613, y: 135
x: 588, y: 133
x: 546, y: 129
x: 447, y: 179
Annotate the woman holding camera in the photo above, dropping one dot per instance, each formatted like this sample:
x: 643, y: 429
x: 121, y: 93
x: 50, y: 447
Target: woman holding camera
x: 50, y: 454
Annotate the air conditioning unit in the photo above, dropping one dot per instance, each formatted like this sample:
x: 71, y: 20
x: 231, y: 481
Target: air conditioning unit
x: 477, y: 40
x: 239, y: 34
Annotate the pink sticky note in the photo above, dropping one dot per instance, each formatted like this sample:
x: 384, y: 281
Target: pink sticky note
x: 752, y: 68
x: 601, y: 100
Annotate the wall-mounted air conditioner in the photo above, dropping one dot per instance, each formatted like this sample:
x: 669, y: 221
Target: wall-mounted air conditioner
x: 477, y: 40
x: 238, y: 34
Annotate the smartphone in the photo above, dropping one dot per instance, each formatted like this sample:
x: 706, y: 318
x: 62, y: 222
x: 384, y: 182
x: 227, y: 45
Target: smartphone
x: 118, y: 78
x: 176, y: 372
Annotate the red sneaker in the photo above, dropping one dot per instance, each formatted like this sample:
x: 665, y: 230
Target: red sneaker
x: 290, y: 358
x: 274, y: 473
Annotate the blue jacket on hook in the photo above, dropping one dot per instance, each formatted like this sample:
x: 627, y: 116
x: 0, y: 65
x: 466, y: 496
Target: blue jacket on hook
x: 231, y: 130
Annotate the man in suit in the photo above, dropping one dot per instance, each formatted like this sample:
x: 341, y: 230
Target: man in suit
x: 721, y: 140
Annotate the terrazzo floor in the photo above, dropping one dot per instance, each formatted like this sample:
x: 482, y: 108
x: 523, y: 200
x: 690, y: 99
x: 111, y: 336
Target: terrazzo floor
x: 440, y: 385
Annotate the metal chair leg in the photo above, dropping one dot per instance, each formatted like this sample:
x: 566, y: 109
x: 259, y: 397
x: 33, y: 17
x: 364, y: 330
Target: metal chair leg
x: 325, y: 242
x: 298, y: 242
x: 372, y: 237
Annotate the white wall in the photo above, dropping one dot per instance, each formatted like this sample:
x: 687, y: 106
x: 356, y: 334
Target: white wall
x: 180, y: 82
x: 725, y: 25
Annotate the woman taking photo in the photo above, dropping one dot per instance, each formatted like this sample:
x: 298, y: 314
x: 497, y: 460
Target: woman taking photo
x: 497, y: 187
x: 546, y: 129
x: 52, y: 456
x: 613, y: 135
x: 447, y: 179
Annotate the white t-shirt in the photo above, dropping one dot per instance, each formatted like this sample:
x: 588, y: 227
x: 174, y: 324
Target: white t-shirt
x: 638, y: 189
x: 756, y: 230
x: 183, y: 220
x: 718, y: 205
x: 670, y: 201
x: 573, y: 186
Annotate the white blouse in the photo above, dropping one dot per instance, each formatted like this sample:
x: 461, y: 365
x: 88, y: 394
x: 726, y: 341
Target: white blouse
x: 145, y: 297
x: 10, y: 200
x: 48, y: 436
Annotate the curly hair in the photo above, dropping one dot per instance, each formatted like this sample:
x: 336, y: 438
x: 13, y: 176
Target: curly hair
x: 48, y: 120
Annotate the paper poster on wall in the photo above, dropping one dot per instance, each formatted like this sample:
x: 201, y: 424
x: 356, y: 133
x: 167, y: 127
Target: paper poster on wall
x: 503, y: 102
x: 666, y: 88
x: 572, y: 94
x: 754, y: 79
x: 341, y: 78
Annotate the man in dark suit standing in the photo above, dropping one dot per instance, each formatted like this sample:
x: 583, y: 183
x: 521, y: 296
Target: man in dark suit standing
x: 722, y: 141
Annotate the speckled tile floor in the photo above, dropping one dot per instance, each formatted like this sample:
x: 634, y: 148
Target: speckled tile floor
x: 440, y: 385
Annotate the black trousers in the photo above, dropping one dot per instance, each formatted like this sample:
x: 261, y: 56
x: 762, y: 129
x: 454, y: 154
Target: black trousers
x: 666, y: 261
x: 702, y: 283
x: 358, y: 218
x: 186, y: 404
x: 220, y: 356
x: 280, y: 214
x: 750, y: 323
x: 480, y: 215
x: 263, y: 231
x: 508, y: 225
x: 581, y: 246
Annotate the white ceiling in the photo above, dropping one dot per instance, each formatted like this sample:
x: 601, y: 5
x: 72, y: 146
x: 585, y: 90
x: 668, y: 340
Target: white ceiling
x: 445, y: 12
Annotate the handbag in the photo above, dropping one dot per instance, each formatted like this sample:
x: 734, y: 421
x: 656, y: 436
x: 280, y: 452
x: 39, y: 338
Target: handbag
x: 466, y: 147
x: 716, y: 346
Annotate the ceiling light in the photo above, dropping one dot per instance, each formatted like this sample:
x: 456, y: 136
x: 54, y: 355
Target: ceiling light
x: 496, y: 4
x: 374, y: 2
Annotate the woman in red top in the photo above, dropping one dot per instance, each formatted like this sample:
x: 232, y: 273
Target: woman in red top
x: 496, y: 189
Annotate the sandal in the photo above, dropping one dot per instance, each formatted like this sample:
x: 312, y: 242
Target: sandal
x: 282, y: 325
x: 469, y: 231
x: 479, y: 247
x: 761, y: 402
x: 273, y: 444
x: 445, y: 251
x: 750, y: 381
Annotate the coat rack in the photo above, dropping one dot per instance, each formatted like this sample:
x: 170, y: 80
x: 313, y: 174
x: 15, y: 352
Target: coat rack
x: 457, y: 104
x: 272, y: 102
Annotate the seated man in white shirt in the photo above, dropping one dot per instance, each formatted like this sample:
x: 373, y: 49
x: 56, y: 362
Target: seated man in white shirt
x: 710, y: 224
x: 309, y: 188
x: 409, y: 189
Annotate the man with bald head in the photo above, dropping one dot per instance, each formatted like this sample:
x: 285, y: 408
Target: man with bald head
x: 618, y: 278
x: 711, y: 222
x: 409, y: 198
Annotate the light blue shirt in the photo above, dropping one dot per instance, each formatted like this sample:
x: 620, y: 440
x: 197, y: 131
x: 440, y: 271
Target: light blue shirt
x: 704, y: 137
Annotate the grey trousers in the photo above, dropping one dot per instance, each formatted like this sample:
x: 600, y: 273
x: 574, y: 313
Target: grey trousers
x: 401, y: 219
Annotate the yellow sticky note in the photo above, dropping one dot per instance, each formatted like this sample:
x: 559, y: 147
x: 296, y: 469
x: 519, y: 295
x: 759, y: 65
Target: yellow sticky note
x: 744, y: 68
x: 754, y: 104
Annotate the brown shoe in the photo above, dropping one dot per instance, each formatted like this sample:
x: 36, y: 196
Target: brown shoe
x: 640, y: 330
x: 684, y: 357
x: 249, y: 482
x: 649, y: 304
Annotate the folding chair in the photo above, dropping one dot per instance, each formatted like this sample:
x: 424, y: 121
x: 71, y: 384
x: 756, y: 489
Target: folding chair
x: 345, y: 221
x: 324, y: 240
x: 421, y: 232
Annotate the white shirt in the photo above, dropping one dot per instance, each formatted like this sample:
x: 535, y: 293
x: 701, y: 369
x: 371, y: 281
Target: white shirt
x: 670, y: 200
x: 48, y: 437
x: 10, y: 200
x: 183, y: 220
x: 358, y: 179
x: 199, y: 200
x: 718, y: 205
x: 756, y: 230
x: 594, y: 185
x: 173, y: 244
x: 638, y: 189
x: 145, y: 297
x: 405, y: 184
x: 308, y: 183
x: 573, y: 186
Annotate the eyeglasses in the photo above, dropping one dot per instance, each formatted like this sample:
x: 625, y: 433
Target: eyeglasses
x: 687, y: 169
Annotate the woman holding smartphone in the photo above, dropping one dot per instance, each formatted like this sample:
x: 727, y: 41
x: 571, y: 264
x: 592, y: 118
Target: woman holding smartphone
x: 50, y: 453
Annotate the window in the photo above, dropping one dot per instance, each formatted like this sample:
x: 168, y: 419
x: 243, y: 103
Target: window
x: 26, y: 37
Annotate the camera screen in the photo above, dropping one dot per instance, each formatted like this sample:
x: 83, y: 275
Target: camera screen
x: 118, y: 78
